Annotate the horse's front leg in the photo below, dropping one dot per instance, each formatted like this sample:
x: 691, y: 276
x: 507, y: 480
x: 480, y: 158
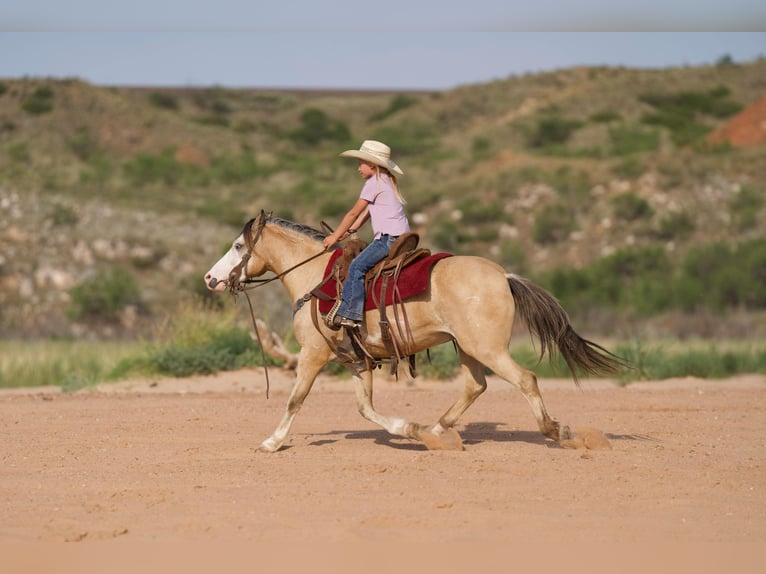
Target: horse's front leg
x: 394, y: 425
x: 307, y: 370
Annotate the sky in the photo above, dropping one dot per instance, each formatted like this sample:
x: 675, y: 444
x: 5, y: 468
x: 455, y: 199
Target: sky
x: 344, y: 44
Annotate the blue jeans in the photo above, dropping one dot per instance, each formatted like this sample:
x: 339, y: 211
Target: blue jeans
x: 353, y: 294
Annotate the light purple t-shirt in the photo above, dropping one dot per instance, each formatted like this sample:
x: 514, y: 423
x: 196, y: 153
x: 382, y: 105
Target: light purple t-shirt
x: 386, y: 212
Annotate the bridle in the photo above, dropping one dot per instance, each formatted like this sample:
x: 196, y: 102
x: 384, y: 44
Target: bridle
x: 237, y: 286
x: 233, y: 282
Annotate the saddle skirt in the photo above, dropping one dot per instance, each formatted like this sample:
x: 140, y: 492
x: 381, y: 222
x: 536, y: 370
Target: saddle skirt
x: 413, y: 280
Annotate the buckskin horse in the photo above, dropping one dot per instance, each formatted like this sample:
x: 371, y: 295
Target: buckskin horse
x: 469, y: 300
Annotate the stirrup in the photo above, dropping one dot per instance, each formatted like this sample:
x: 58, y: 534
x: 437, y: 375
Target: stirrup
x: 329, y: 319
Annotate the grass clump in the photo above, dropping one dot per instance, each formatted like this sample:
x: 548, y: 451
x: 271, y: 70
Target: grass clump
x: 195, y: 340
x: 70, y: 365
x: 707, y: 362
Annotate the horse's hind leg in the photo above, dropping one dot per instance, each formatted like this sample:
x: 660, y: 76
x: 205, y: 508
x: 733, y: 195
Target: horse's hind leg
x: 442, y: 435
x: 475, y: 385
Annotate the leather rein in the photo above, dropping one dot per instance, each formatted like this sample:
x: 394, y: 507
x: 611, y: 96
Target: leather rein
x: 236, y: 286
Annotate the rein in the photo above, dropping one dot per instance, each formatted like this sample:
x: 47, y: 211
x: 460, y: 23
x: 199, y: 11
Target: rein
x: 236, y: 286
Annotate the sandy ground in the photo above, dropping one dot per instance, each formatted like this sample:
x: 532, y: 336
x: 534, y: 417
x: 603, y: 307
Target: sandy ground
x: 175, y: 460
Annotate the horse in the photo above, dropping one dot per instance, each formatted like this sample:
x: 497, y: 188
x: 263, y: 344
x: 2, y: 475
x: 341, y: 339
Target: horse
x: 470, y: 301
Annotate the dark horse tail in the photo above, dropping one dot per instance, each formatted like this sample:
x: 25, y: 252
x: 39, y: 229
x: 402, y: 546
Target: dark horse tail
x: 549, y: 322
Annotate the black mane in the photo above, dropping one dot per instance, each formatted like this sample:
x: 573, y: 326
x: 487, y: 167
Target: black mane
x: 314, y: 234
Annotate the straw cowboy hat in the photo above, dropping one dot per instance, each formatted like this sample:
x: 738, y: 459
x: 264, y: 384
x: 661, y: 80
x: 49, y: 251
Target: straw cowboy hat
x: 375, y: 152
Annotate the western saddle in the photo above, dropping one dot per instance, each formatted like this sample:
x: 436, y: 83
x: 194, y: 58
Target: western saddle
x: 398, y: 341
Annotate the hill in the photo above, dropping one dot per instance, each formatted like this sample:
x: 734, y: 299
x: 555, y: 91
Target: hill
x: 125, y: 196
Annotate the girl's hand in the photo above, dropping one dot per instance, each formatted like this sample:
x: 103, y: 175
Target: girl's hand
x: 330, y: 240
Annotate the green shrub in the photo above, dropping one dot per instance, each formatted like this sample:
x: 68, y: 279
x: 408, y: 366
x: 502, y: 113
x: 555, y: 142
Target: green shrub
x: 214, y: 120
x: 19, y: 152
x: 629, y: 168
x: 656, y: 363
x: 716, y: 276
x: 105, y: 296
x: 245, y: 126
x: 164, y: 168
x: 626, y: 140
x: 40, y: 102
x: 239, y: 169
x: 748, y: 199
x: 63, y: 215
x: 552, y: 130
x: 83, y: 145
x: 553, y: 223
x: 440, y: 362
x: 677, y: 225
x: 398, y: 103
x: 410, y: 139
x: 97, y: 170
x: 679, y: 112
x: 224, y: 351
x: 333, y: 207
x: 163, y: 101
x: 606, y: 116
x: 481, y: 148
x: 3, y: 88
x: 317, y: 127
x: 630, y: 207
x: 513, y: 257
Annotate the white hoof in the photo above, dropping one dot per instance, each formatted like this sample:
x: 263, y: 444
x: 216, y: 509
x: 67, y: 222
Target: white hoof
x: 269, y: 446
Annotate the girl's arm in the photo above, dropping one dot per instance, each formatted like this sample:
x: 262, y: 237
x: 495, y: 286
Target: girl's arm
x: 349, y: 219
x: 361, y: 220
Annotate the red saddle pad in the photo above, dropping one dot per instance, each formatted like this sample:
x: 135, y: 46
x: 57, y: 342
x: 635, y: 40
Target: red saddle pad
x: 413, y: 280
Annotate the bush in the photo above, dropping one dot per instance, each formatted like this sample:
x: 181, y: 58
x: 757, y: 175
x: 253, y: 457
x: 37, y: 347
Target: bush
x: 83, y: 145
x: 631, y: 207
x: 40, y: 102
x: 440, y: 362
x: 224, y: 351
x: 606, y: 116
x: 317, y: 127
x: 409, y: 138
x: 19, y: 152
x: 235, y: 169
x: 63, y: 215
x: 481, y: 148
x: 629, y: 168
x: 553, y: 223
x: 629, y: 140
x: 160, y: 168
x: 678, y: 112
x: 552, y: 130
x: 398, y: 103
x: 105, y: 296
x: 678, y: 225
x: 163, y: 101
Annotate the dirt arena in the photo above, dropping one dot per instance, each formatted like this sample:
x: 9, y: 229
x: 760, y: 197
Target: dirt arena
x: 176, y: 461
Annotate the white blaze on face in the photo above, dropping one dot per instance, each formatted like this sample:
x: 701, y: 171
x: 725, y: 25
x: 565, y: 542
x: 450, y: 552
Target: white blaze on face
x: 215, y: 279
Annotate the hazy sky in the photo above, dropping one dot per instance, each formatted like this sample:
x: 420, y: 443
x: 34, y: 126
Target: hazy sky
x: 345, y: 44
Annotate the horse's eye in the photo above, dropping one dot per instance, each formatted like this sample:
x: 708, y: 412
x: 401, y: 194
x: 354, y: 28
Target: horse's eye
x: 237, y: 246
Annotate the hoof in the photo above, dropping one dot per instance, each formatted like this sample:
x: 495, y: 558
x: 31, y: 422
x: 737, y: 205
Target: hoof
x: 267, y: 447
x: 436, y: 437
x: 585, y: 438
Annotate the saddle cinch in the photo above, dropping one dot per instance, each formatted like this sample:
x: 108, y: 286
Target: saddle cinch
x: 398, y: 342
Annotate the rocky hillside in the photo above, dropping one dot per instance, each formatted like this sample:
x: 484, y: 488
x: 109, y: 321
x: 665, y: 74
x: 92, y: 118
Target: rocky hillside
x: 114, y: 202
